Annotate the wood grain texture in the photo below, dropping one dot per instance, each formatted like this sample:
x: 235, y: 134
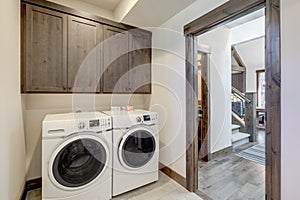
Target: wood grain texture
x: 273, y: 100
x: 205, y: 135
x: 238, y: 81
x: 228, y: 177
x: 250, y: 116
x: 59, y: 49
x: 83, y: 65
x: 172, y: 174
x: 191, y: 113
x: 46, y: 50
x: 115, y: 76
x: 225, y: 13
x: 140, y: 61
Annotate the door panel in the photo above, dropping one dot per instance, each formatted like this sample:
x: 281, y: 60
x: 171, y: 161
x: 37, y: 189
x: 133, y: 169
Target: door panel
x: 137, y: 149
x: 46, y: 50
x: 115, y: 77
x: 79, y: 162
x: 140, y: 61
x: 84, y: 65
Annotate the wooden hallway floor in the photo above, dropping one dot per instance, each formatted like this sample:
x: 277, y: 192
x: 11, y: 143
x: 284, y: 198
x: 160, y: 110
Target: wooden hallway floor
x: 229, y: 177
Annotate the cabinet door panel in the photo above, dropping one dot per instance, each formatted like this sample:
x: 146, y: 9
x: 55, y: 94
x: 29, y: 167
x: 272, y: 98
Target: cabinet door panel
x: 115, y: 76
x: 140, y: 61
x: 83, y: 55
x: 46, y: 50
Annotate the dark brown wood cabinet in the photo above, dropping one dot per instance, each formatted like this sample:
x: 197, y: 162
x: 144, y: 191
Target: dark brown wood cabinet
x: 45, y: 51
x: 84, y: 56
x: 77, y: 53
x: 139, y: 61
x: 115, y: 60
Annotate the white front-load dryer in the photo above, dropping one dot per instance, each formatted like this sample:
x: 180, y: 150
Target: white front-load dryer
x: 77, y: 157
x: 135, y: 149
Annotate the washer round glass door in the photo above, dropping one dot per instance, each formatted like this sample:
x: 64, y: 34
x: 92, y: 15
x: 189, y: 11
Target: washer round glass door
x: 78, y: 161
x: 137, y: 148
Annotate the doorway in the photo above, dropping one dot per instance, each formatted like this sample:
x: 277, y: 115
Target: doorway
x: 226, y: 13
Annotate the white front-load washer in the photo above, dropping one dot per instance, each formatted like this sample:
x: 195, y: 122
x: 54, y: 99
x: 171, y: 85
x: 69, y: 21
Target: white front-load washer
x: 135, y: 149
x: 77, y: 156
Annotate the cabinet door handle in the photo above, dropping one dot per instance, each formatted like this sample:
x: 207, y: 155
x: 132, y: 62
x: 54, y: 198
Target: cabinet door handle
x: 64, y: 88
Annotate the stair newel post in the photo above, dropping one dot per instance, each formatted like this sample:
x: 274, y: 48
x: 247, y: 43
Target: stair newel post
x: 250, y: 115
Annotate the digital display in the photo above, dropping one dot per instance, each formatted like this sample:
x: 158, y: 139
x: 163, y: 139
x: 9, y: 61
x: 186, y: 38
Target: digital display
x: 94, y: 123
x: 146, y: 117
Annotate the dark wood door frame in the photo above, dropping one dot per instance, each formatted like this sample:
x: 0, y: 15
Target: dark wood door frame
x: 227, y: 12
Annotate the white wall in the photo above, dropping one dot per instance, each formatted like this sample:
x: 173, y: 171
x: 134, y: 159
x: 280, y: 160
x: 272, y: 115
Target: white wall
x: 249, y: 41
x: 220, y: 86
x: 37, y: 106
x: 253, y: 55
x: 290, y: 41
x: 12, y: 144
x: 220, y: 41
x: 168, y: 96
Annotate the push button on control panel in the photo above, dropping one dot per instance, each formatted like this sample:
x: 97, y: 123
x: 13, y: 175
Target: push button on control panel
x: 81, y: 125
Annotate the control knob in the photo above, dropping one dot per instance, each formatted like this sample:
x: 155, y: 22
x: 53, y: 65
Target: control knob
x: 138, y: 119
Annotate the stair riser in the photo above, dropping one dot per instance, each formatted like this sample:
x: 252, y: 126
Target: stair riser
x: 240, y: 142
x: 234, y: 131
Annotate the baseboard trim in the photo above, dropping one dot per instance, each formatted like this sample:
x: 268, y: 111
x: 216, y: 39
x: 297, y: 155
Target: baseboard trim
x: 173, y: 175
x: 31, y: 185
x: 202, y: 195
x: 224, y: 151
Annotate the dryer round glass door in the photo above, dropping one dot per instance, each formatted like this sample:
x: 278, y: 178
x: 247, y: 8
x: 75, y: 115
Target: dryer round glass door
x: 78, y: 161
x: 137, y: 148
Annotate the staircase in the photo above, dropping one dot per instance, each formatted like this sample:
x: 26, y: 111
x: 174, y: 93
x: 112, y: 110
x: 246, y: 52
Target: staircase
x: 238, y: 138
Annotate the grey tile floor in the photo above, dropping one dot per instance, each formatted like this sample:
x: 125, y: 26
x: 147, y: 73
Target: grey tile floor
x: 164, y: 189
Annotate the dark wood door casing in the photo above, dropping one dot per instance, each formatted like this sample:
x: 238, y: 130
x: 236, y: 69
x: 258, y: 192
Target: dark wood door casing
x: 225, y: 13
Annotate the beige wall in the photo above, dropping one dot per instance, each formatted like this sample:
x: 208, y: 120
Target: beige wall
x: 12, y: 144
x: 37, y: 106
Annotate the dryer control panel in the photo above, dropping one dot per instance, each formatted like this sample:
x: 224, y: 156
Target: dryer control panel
x: 147, y: 118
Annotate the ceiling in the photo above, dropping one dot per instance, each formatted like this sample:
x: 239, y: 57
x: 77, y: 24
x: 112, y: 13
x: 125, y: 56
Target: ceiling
x: 106, y: 4
x: 153, y: 13
x: 252, y: 53
x: 250, y: 17
x: 143, y: 13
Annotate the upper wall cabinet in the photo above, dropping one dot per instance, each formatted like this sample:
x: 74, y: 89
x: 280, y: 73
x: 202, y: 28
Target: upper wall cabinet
x: 139, y: 61
x: 115, y: 60
x: 79, y: 53
x: 84, y: 56
x: 45, y: 50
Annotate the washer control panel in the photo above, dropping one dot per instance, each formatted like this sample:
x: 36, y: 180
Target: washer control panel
x: 99, y: 124
x: 81, y: 125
